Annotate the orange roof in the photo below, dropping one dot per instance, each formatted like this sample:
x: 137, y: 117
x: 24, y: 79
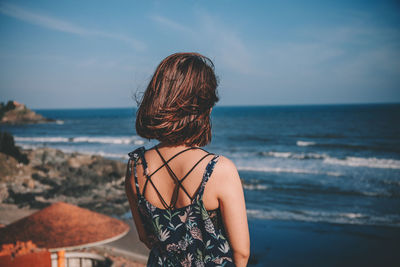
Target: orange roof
x: 64, y: 226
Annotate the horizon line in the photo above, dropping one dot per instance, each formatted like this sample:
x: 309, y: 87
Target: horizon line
x: 240, y: 106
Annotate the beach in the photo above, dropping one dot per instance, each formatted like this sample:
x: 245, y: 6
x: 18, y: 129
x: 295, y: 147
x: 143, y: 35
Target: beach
x: 321, y: 182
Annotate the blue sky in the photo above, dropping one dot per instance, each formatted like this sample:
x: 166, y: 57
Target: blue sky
x: 83, y: 54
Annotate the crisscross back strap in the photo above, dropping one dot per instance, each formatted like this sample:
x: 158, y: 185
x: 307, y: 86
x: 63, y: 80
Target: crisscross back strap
x: 179, y: 182
x: 137, y: 154
x: 207, y: 173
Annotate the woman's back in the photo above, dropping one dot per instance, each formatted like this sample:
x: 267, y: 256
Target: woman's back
x: 182, y: 231
x: 181, y: 166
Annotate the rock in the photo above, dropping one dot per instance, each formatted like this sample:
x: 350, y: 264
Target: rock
x: 8, y: 167
x: 52, y: 175
x: 76, y: 161
x: 3, y: 192
x: 7, y: 146
x: 17, y: 113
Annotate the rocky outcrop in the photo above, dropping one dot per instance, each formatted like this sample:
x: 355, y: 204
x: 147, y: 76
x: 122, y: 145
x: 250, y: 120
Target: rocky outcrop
x: 17, y: 113
x: 8, y: 147
x: 51, y: 175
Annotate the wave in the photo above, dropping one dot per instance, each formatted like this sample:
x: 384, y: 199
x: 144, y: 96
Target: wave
x: 365, y: 162
x: 288, y: 170
x: 254, y: 186
x: 42, y: 139
x: 294, y: 155
x: 328, y: 136
x: 347, y: 146
x: 83, y: 139
x: 86, y: 152
x: 347, y: 161
x: 304, y: 143
x: 329, y: 217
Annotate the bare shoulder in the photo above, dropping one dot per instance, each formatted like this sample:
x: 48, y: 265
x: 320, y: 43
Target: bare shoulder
x: 226, y: 170
x: 226, y: 164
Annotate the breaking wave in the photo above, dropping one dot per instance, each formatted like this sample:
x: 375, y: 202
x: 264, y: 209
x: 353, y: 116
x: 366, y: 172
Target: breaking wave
x: 287, y: 170
x: 365, y: 162
x: 347, y: 161
x: 305, y: 143
x: 83, y: 139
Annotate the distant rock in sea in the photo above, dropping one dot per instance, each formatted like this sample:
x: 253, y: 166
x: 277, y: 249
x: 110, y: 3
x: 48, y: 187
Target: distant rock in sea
x: 16, y: 113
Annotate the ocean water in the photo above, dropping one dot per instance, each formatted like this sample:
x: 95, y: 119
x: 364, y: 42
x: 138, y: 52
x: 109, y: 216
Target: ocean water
x: 333, y: 163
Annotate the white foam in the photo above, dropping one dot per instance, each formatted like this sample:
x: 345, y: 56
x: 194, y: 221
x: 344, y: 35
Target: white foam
x: 277, y: 169
x: 42, y: 139
x: 279, y: 154
x: 348, y: 161
x: 365, y: 162
x: 60, y: 122
x: 295, y: 155
x: 255, y: 187
x: 102, y: 140
x: 83, y: 139
x: 304, y: 143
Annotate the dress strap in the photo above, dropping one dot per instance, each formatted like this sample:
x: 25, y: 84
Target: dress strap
x: 178, y: 181
x: 133, y: 159
x: 207, y: 173
x: 136, y: 155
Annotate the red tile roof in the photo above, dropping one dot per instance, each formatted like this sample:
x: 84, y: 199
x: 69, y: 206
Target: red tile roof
x: 64, y: 226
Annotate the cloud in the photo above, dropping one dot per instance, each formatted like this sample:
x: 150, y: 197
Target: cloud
x: 171, y: 24
x: 221, y: 42
x: 63, y: 26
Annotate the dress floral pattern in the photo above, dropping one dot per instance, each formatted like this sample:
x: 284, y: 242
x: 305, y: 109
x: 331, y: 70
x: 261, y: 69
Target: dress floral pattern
x: 186, y: 236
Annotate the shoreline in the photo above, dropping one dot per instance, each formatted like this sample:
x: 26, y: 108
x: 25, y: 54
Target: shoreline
x: 284, y: 243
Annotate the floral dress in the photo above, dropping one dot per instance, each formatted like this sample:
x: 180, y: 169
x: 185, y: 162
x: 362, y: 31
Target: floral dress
x: 186, y: 236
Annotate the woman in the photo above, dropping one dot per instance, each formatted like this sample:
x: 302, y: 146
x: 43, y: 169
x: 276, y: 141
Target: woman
x: 187, y: 204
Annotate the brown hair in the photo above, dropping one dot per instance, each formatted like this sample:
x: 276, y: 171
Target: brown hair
x: 175, y: 108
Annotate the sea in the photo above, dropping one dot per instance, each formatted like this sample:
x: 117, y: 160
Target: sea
x: 315, y: 163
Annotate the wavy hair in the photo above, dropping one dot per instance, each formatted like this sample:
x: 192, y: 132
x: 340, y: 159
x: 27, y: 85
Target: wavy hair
x: 175, y: 108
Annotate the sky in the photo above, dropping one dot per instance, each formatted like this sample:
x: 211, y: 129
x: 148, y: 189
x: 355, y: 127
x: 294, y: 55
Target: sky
x: 94, y: 54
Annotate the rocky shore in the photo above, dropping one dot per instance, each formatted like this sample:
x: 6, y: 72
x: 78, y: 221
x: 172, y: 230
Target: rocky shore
x: 35, y: 178
x: 16, y: 113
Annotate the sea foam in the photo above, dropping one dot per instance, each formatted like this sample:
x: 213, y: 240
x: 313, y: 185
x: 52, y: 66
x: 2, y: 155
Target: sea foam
x: 83, y: 139
x: 365, y: 162
x: 304, y: 143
